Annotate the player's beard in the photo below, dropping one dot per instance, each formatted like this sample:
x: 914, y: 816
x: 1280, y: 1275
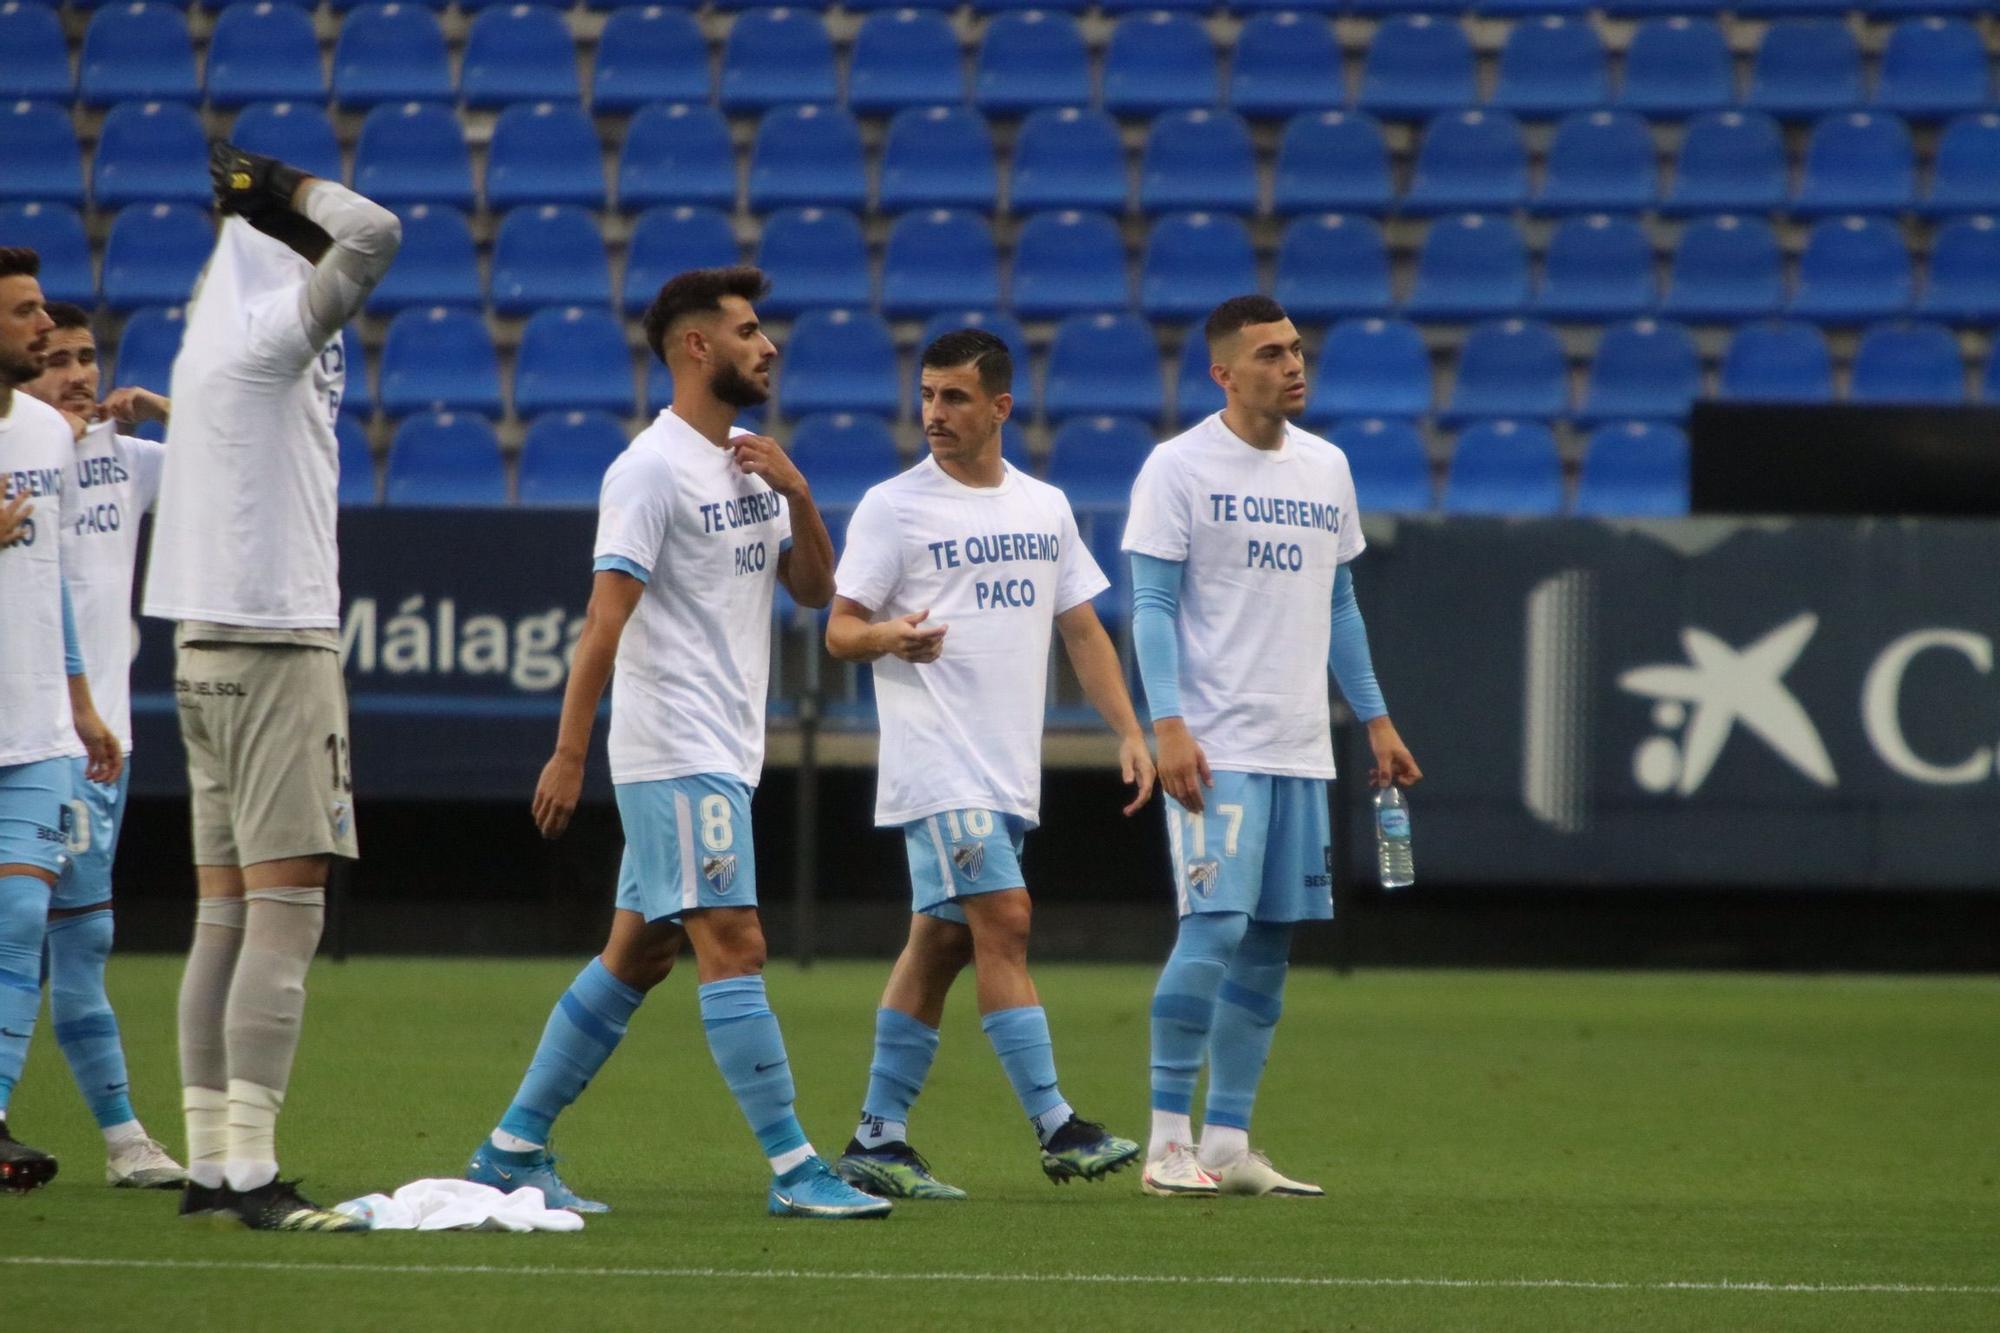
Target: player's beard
x: 732, y: 386
x: 22, y: 370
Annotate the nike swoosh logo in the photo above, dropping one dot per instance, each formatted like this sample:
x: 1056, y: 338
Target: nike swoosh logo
x: 116, y: 1087
x: 764, y: 1069
x: 504, y: 1175
x: 20, y: 1036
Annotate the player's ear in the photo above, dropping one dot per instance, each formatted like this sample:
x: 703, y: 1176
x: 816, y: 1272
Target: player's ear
x: 1003, y: 406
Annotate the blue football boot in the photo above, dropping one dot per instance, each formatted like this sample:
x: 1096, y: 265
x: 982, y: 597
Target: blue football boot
x: 811, y: 1189
x: 509, y: 1171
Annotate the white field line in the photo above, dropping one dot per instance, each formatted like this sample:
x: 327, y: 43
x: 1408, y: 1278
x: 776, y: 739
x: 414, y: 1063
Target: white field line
x: 1077, y: 1279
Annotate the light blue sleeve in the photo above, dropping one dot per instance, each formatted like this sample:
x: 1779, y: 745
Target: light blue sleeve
x: 621, y: 565
x: 72, y: 648
x: 1347, y: 653
x: 1156, y: 605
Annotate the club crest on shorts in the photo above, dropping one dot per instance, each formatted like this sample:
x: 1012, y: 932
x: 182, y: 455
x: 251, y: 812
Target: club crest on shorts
x: 969, y: 857
x: 343, y: 818
x: 1202, y: 876
x: 719, y: 869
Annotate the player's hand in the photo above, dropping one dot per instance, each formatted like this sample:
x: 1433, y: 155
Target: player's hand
x: 762, y: 456
x: 132, y: 406
x: 556, y: 795
x: 14, y: 524
x: 77, y: 425
x: 250, y: 184
x: 1135, y: 765
x: 909, y: 638
x: 1394, y: 764
x: 1184, y: 770
x: 107, y: 758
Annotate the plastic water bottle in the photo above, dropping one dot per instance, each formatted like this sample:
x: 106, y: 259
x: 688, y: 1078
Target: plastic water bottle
x: 1392, y: 839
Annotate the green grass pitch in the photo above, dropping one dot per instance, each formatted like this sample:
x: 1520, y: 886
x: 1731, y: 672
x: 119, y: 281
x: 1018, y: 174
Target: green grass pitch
x: 1502, y: 1151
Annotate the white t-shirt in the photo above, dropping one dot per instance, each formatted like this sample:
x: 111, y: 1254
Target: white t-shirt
x: 36, y: 448
x: 1261, y: 533
x: 694, y: 665
x: 996, y: 565
x: 114, y: 480
x: 245, y: 529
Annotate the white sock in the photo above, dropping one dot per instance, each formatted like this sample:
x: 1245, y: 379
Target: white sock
x: 1053, y: 1119
x: 1169, y: 1128
x: 786, y: 1161
x: 874, y: 1131
x: 117, y: 1136
x: 514, y: 1142
x: 1222, y: 1144
x: 253, y: 1134
x: 207, y: 1112
x: 244, y: 1174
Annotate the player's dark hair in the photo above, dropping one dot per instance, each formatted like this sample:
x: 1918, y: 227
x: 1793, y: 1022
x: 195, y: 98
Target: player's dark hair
x: 700, y: 291
x: 981, y: 350
x: 18, y: 261
x: 1237, y: 313
x: 67, y: 316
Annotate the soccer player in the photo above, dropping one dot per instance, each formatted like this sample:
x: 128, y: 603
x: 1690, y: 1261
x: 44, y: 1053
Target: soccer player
x: 113, y: 482
x: 697, y: 522
x: 47, y: 716
x: 1240, y: 534
x: 244, y: 562
x: 955, y: 573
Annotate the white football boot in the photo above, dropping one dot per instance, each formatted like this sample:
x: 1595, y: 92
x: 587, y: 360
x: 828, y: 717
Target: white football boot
x: 1252, y: 1173
x: 1177, y: 1175
x: 142, y: 1164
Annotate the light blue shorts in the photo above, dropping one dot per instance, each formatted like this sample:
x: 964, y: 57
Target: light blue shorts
x: 97, y: 814
x: 37, y: 821
x: 687, y: 846
x: 1263, y: 846
x: 959, y: 854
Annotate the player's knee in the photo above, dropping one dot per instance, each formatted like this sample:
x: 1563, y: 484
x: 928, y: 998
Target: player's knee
x: 1002, y: 924
x: 733, y: 945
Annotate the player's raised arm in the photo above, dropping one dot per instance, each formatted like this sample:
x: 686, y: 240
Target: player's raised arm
x: 1098, y: 670
x: 806, y: 566
x: 614, y: 595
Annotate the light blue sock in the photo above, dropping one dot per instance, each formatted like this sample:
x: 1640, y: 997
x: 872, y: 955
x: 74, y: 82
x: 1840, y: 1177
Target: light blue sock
x: 583, y: 1030
x: 1246, y: 1016
x: 1184, y: 1003
x: 24, y: 916
x: 743, y: 1037
x: 86, y: 1029
x: 904, y: 1049
x: 1020, y: 1038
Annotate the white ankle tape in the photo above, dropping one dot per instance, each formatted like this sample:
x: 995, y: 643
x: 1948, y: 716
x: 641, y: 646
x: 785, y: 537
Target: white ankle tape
x: 301, y: 897
x: 224, y: 912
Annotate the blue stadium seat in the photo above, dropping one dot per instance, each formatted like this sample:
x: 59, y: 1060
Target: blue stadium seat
x: 136, y: 52
x: 1196, y: 394
x: 1069, y: 261
x: 344, y: 7
x: 436, y: 266
x: 572, y: 359
x: 1004, y: 327
x: 1371, y: 368
x: 1597, y: 267
x: 296, y: 132
x: 153, y: 255
x: 807, y: 156
x: 1965, y: 175
x: 518, y: 53
x: 815, y: 257
x: 1908, y: 362
x: 1854, y: 269
x: 1160, y: 61
x: 1963, y: 282
x: 677, y: 154
x: 649, y: 54
x: 1778, y: 361
x: 1805, y: 67
x: 844, y: 454
x: 390, y: 53
x: 1386, y: 458
x: 151, y: 152
x: 147, y: 346
x: 357, y: 463
x: 905, y: 58
x: 939, y: 259
x: 1511, y: 368
x: 446, y: 460
x: 37, y: 63
x: 838, y: 361
x: 544, y: 153
x: 775, y: 56
x: 549, y: 254
x: 1677, y: 66
x: 1198, y: 159
x: 413, y: 153
x: 1029, y: 60
x: 40, y: 149
x: 1068, y: 157
x: 1469, y: 161
x: 1888, y: 9
x: 1778, y: 9
x: 357, y: 394
x: 264, y: 52
x: 1645, y: 369
x: 1729, y: 160
x: 1418, y: 65
x: 1193, y: 263
x: 564, y: 457
x: 1331, y: 265
x: 1932, y: 68
x: 938, y: 157
x: 1858, y: 161
x: 1727, y: 268
x: 1332, y: 162
x: 439, y: 360
x: 660, y: 391
x: 1095, y: 459
x: 1505, y: 469
x: 1530, y: 8
x: 1635, y: 469
x: 666, y: 241
x: 1600, y: 161
x: 1470, y: 267
x: 1103, y: 364
x: 1550, y: 66
x: 55, y: 232
x: 1286, y: 63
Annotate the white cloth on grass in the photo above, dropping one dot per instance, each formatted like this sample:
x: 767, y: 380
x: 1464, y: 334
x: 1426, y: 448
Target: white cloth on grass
x: 459, y: 1205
